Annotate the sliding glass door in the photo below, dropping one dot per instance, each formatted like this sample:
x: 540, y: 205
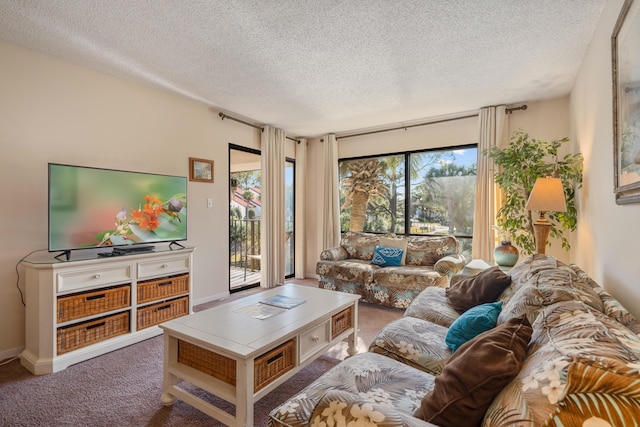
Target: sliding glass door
x: 245, y: 189
x: 289, y: 215
x: 245, y: 206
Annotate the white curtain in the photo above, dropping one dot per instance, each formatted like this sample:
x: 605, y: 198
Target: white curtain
x: 300, y: 214
x: 272, y: 254
x: 331, y: 200
x: 493, y: 131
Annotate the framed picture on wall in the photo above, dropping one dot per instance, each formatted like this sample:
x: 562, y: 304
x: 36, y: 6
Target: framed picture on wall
x: 200, y: 170
x: 625, y: 56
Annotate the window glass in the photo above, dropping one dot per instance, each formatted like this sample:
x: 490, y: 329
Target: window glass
x: 372, y: 194
x: 441, y: 186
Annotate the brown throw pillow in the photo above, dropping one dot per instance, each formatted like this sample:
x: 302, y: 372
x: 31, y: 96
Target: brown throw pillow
x: 479, y: 289
x: 475, y: 374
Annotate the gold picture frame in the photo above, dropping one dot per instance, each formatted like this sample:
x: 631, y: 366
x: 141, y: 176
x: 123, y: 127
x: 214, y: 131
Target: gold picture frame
x: 200, y: 170
x: 625, y: 57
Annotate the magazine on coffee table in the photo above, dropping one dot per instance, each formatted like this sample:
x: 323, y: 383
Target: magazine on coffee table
x: 283, y: 301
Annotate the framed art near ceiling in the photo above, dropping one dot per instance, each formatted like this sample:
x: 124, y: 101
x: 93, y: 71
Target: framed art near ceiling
x: 200, y: 170
x: 625, y: 56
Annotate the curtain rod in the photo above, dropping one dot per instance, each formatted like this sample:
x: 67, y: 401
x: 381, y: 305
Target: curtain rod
x: 511, y: 110
x: 408, y: 126
x: 224, y: 116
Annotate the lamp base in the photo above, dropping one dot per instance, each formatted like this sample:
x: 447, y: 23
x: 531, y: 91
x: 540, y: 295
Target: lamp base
x: 541, y: 231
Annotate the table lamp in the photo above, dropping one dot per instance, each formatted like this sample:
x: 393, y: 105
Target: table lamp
x: 547, y: 196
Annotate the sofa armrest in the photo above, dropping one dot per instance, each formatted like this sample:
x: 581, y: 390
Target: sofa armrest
x: 450, y: 265
x: 334, y: 254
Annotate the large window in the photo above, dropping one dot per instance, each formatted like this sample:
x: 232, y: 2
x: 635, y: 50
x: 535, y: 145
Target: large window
x: 425, y: 192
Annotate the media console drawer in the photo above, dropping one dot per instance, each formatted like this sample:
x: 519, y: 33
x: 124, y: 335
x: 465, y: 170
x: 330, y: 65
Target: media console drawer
x: 77, y: 306
x: 163, y: 267
x: 166, y: 287
x: 154, y: 314
x: 81, y: 279
x: 80, y: 335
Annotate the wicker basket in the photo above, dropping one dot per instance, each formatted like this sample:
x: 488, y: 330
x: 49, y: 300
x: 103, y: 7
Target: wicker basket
x: 161, y: 312
x: 80, y: 335
x: 214, y: 364
x: 274, y: 364
x: 85, y: 304
x: 167, y: 287
x: 267, y: 367
x: 342, y: 321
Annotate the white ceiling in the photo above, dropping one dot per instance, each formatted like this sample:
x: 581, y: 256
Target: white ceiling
x: 318, y: 66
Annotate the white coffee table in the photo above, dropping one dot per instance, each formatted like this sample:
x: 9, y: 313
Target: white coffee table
x: 231, y: 354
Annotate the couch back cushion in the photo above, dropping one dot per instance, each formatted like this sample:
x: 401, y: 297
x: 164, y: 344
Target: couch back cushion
x: 427, y: 250
x: 542, y: 281
x: 360, y: 245
x: 581, y: 365
x: 612, y: 307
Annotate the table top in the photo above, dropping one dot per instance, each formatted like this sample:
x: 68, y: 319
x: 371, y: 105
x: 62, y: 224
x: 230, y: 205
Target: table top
x: 232, y: 328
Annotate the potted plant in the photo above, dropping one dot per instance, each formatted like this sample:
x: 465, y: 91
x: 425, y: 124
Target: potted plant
x: 518, y: 166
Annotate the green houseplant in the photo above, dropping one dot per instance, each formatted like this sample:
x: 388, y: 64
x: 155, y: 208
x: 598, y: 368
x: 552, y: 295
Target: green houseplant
x: 518, y: 166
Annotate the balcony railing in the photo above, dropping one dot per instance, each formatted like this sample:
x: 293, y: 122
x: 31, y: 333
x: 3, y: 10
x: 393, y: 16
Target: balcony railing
x: 244, y: 241
x: 244, y: 250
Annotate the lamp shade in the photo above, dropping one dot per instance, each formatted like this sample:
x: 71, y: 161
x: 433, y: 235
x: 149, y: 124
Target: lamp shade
x: 547, y: 196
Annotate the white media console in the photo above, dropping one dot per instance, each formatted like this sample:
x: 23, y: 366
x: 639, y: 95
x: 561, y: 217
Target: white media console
x: 80, y: 309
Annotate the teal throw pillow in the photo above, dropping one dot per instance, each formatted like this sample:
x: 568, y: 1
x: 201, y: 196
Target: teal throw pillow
x: 387, y: 257
x: 471, y: 323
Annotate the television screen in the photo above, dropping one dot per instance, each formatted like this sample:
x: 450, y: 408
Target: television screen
x: 91, y: 207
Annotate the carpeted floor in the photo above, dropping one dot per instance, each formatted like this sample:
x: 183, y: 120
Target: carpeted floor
x: 123, y: 388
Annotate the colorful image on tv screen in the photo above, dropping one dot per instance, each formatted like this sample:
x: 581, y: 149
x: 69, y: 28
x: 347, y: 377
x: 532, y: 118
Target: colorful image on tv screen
x: 91, y: 207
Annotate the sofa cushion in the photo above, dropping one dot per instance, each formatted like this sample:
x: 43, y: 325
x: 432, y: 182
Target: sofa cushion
x: 432, y: 305
x: 471, y: 323
x: 396, y: 242
x: 475, y: 374
x: 581, y: 364
x: 427, y: 250
x: 612, y: 307
x: 414, y: 342
x: 360, y: 245
x: 387, y: 257
x: 398, y: 286
x: 547, y: 284
x: 375, y: 378
x: 479, y: 289
x: 345, y: 276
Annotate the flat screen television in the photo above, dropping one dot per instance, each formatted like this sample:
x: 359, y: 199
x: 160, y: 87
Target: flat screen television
x: 93, y: 208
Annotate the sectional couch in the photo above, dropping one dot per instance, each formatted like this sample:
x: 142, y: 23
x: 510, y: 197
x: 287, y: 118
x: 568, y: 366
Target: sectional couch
x: 561, y: 352
x: 425, y: 261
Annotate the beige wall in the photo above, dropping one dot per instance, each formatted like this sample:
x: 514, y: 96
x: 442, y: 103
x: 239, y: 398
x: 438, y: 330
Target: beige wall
x: 54, y: 111
x: 608, y: 234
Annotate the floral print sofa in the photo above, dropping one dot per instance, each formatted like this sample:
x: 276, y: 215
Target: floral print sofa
x: 429, y: 261
x: 581, y: 366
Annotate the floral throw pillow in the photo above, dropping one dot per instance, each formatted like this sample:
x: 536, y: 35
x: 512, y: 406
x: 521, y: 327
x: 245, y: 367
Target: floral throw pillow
x: 387, y: 257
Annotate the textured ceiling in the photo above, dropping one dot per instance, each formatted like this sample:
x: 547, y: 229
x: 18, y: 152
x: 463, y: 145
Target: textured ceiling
x: 317, y: 66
